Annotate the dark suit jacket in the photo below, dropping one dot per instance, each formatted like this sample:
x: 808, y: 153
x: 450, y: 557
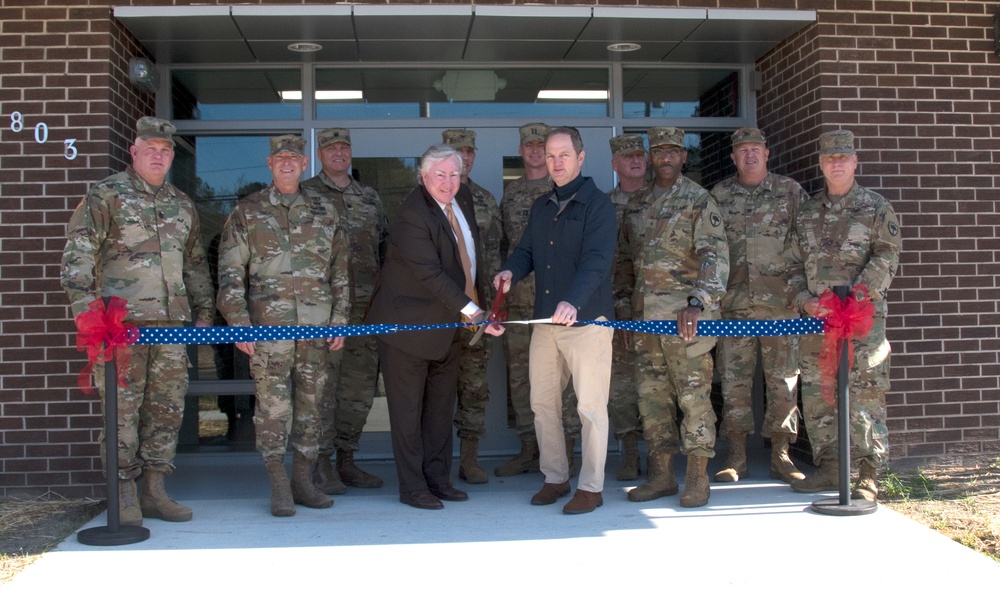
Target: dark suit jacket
x: 422, y: 280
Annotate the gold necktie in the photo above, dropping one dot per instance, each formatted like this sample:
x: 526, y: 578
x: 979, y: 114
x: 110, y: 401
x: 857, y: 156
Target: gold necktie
x: 463, y: 252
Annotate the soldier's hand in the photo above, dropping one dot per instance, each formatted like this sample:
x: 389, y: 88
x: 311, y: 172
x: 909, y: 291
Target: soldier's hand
x: 565, y: 313
x: 201, y: 323
x: 336, y: 343
x: 687, y: 322
x: 503, y: 279
x: 626, y: 337
x: 245, y: 347
x: 810, y: 307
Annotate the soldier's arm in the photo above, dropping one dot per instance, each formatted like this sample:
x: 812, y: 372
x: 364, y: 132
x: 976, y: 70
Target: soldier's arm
x: 624, y: 280
x: 234, y: 256
x: 712, y: 249
x: 798, y: 290
x: 197, y: 277
x: 883, y: 261
x: 87, y: 230
x: 339, y: 283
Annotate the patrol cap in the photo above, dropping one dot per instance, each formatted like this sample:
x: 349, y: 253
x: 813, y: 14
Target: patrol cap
x: 334, y: 134
x: 627, y: 143
x: 665, y: 136
x: 288, y: 143
x: 533, y: 132
x: 748, y: 134
x: 837, y: 142
x: 151, y: 128
x: 459, y: 138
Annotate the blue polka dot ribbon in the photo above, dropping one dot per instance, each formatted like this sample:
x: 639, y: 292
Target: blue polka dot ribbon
x: 229, y: 335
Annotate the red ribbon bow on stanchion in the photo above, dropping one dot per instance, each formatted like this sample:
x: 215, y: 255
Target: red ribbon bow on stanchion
x: 844, y: 320
x: 101, y: 331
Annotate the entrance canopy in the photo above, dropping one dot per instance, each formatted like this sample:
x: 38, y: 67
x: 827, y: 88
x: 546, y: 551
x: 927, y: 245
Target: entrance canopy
x: 465, y: 33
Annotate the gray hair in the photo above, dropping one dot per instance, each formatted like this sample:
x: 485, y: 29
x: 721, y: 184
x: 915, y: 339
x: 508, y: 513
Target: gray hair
x: 436, y: 154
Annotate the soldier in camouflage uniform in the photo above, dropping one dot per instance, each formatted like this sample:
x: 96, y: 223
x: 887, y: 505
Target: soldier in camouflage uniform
x: 758, y: 208
x: 845, y: 235
x: 515, y: 207
x: 473, y: 391
x: 136, y: 236
x: 352, y: 371
x: 628, y: 159
x: 673, y: 254
x: 283, y: 260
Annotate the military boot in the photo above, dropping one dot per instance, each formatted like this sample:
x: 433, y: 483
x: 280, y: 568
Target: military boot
x: 156, y: 504
x: 866, y: 486
x: 129, y: 513
x: 352, y: 475
x: 304, y: 491
x: 282, y: 504
x: 696, y: 488
x: 574, y: 468
x: 736, y: 463
x: 525, y: 462
x: 660, y: 480
x: 782, y: 466
x: 825, y: 479
x: 468, y: 468
x: 327, y: 480
x: 629, y: 469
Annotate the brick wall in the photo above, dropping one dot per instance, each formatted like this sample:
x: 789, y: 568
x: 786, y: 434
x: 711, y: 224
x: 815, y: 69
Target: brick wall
x: 63, y: 66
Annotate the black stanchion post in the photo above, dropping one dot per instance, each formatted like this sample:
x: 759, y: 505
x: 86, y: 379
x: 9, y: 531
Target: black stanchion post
x: 844, y: 506
x: 114, y: 534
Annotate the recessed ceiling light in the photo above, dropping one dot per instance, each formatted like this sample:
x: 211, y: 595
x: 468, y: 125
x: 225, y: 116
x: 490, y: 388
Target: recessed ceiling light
x: 304, y: 47
x: 624, y: 47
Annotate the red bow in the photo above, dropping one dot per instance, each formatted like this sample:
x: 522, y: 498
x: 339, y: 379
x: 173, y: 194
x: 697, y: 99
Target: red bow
x: 100, y: 331
x: 845, y: 320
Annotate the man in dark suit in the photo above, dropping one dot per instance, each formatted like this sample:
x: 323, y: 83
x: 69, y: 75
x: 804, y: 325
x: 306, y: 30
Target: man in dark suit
x: 429, y: 276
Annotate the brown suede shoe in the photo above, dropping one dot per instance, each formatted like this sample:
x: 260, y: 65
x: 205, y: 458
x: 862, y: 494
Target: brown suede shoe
x: 583, y: 502
x: 549, y: 493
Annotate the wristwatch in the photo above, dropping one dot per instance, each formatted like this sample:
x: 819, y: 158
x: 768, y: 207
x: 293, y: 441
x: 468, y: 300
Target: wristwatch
x: 692, y: 301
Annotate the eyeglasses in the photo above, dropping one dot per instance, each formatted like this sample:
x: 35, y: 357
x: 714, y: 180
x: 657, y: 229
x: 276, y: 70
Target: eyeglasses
x: 666, y: 152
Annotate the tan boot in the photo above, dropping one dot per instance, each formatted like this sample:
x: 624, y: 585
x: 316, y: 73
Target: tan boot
x: 282, y: 504
x: 156, y: 504
x: 525, y: 462
x: 696, y: 488
x: 782, y: 466
x: 866, y: 486
x: 825, y: 479
x: 574, y: 468
x: 128, y: 504
x: 629, y: 469
x: 327, y: 480
x: 468, y: 468
x: 736, y: 463
x: 304, y: 491
x: 660, y: 479
x: 352, y: 475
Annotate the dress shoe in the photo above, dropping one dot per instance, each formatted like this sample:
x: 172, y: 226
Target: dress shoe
x: 549, y: 493
x: 421, y: 499
x: 446, y: 492
x: 583, y: 502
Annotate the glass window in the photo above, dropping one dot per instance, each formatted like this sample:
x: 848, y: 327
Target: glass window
x: 235, y: 94
x: 658, y: 93
x: 474, y: 93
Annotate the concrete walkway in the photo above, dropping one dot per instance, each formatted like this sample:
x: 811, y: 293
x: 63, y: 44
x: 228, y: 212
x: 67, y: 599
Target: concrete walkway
x: 753, y: 537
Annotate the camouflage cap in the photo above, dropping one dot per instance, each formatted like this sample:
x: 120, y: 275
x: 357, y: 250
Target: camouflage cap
x: 151, y: 128
x: 837, y: 142
x: 534, y: 132
x: 334, y: 134
x: 459, y: 138
x: 627, y: 143
x: 665, y: 136
x: 748, y: 134
x: 288, y: 143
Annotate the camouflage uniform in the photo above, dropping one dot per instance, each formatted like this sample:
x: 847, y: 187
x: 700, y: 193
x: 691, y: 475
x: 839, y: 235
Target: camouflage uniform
x: 473, y: 391
x: 284, y: 261
x: 128, y: 239
x: 623, y: 400
x: 757, y: 226
x: 846, y: 241
x: 515, y: 207
x: 670, y: 248
x: 349, y: 392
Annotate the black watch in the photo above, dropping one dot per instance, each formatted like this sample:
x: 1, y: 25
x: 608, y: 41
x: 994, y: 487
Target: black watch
x: 692, y: 301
